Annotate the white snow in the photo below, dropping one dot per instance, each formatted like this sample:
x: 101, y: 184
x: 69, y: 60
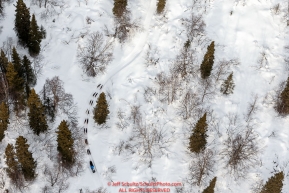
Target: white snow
x: 252, y: 28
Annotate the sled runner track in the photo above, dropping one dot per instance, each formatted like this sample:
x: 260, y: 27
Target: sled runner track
x: 85, y: 130
x: 138, y: 49
x: 126, y: 62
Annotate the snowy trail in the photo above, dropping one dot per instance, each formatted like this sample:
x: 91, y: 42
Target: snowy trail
x: 129, y: 60
x: 138, y: 49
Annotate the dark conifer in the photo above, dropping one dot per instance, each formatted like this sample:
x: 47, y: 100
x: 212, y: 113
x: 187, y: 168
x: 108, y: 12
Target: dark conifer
x: 15, y: 82
x: 119, y: 8
x: 29, y: 75
x: 101, y: 110
x: 48, y: 105
x: 208, y: 61
x: 3, y: 62
x: 198, y: 139
x: 24, y: 156
x: 16, y: 87
x: 12, y: 163
x: 16, y: 60
x: 30, y: 78
x: 22, y: 22
x: 1, y: 8
x: 211, y: 187
x: 65, y: 143
x: 161, y: 6
x: 228, y: 85
x: 282, y: 105
x: 187, y: 44
x: 35, y: 37
x: 4, y: 119
x: 274, y: 184
x: 37, y: 120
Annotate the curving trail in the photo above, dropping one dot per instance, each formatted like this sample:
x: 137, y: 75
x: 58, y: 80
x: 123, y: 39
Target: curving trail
x: 137, y: 51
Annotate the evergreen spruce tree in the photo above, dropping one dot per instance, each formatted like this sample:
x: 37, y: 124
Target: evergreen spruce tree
x: 22, y: 22
x: 282, y: 105
x: 29, y: 75
x: 3, y: 62
x: 211, y: 187
x: 274, y: 184
x: 187, y: 44
x: 24, y: 156
x: 4, y: 119
x: 1, y: 8
x: 37, y: 120
x: 30, y: 78
x: 15, y: 82
x: 65, y: 143
x: 16, y: 60
x: 161, y: 6
x: 198, y: 139
x: 208, y: 61
x: 16, y: 87
x: 12, y: 163
x: 35, y: 37
x: 228, y: 85
x: 49, y: 107
x: 101, y: 110
x: 119, y: 8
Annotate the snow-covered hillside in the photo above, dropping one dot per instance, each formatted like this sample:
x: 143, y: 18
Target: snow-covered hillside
x: 250, y: 32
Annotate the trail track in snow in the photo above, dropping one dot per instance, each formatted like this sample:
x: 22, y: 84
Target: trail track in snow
x: 137, y: 50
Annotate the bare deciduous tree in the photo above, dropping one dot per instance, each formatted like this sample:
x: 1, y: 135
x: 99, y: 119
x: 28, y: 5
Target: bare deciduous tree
x: 53, y: 174
x: 201, y: 167
x: 152, y: 56
x: 276, y: 9
x: 189, y: 104
x: 148, y: 140
x: 252, y: 109
x: 124, y: 27
x: 207, y: 89
x: 3, y: 178
x: 109, y: 172
x: 38, y: 64
x: 195, y: 26
x: 7, y: 47
x: 168, y: 87
x: 95, y: 55
x: 135, y: 113
x: 183, y: 65
x: 149, y: 92
x: 223, y: 68
x: 63, y: 185
x: 262, y: 60
x: 54, y: 89
x: 52, y: 7
x: 240, y: 150
x: 122, y: 123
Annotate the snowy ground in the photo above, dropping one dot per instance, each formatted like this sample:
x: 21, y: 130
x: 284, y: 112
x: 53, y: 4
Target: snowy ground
x: 251, y: 29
